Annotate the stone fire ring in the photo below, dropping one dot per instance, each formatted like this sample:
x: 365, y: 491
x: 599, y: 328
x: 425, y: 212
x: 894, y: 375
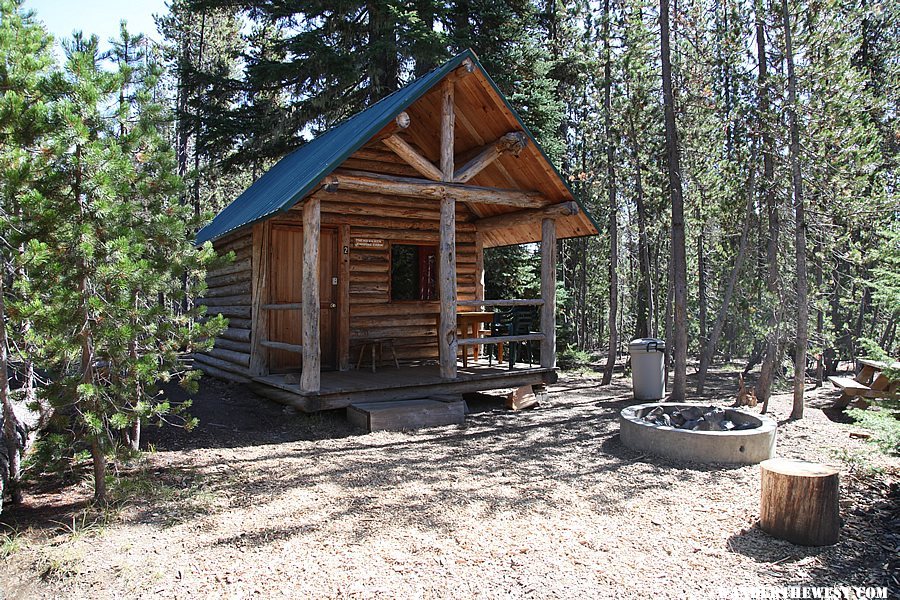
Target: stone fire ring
x: 748, y: 446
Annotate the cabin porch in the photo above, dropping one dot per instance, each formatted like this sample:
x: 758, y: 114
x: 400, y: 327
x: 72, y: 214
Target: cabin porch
x: 339, y: 389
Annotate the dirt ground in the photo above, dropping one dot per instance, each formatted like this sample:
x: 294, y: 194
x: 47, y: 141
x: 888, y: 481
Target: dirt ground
x: 545, y: 503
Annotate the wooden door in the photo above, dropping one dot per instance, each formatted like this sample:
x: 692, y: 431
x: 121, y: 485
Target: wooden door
x: 285, y: 287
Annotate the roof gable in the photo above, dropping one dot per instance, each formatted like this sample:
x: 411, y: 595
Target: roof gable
x: 298, y: 173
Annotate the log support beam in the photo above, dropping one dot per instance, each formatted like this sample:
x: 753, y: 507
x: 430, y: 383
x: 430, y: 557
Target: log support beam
x: 526, y: 217
x: 410, y: 187
x: 513, y: 142
x: 259, y: 259
x: 412, y: 157
x: 310, y: 377
x: 548, y: 293
x: 447, y: 341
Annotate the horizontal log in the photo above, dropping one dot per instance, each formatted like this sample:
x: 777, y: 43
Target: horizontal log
x: 240, y: 247
x: 413, y: 320
x: 235, y: 267
x: 224, y: 365
x: 395, y: 332
x: 370, y: 299
x: 513, y: 302
x: 224, y: 280
x: 368, y: 200
x: 233, y: 289
x: 227, y: 344
x: 241, y: 312
x: 239, y: 323
x: 378, y: 222
x: 283, y: 306
x: 236, y: 334
x: 232, y: 240
x: 378, y: 166
x: 499, y: 339
x: 409, y: 236
x: 526, y: 217
x: 368, y: 288
x: 238, y: 358
x: 220, y: 373
x: 378, y: 153
x: 240, y: 299
x: 395, y: 309
x: 383, y: 267
x: 282, y: 346
x: 361, y: 181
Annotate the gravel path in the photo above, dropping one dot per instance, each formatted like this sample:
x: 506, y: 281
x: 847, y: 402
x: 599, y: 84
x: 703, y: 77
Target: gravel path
x: 545, y: 503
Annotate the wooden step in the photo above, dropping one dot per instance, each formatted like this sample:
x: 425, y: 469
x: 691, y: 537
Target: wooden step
x: 407, y: 414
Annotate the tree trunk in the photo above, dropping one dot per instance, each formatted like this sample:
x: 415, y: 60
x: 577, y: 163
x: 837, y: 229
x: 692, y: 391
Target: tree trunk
x: 679, y: 259
x: 764, y: 382
x: 800, y: 225
x: 613, y: 209
x: 11, y: 438
x: 701, y: 279
x: 820, y: 317
x: 670, y: 291
x: 799, y: 502
x: 709, y: 346
x: 645, y: 287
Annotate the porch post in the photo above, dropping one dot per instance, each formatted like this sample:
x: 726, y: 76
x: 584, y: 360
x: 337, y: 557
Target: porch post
x: 447, y: 346
x: 548, y: 293
x: 310, y: 375
x: 259, y: 329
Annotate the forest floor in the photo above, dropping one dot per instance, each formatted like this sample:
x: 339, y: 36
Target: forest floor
x: 258, y: 502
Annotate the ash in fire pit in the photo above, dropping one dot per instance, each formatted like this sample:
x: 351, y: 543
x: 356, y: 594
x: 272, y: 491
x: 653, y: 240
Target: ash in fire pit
x: 695, y: 418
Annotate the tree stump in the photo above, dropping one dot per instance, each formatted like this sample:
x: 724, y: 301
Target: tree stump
x: 799, y: 502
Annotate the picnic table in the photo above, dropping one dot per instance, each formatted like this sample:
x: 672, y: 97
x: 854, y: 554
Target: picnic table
x: 870, y: 382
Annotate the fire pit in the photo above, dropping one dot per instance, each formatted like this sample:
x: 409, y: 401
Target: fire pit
x: 698, y: 433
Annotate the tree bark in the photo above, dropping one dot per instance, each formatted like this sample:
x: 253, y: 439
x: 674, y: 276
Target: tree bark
x: 802, y: 334
x: 611, y: 194
x: 679, y: 259
x: 764, y: 382
x: 11, y: 438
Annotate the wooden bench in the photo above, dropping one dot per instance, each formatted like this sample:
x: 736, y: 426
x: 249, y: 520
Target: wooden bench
x: 870, y: 382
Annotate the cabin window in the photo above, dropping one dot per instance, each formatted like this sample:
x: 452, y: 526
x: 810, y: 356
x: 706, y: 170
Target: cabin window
x: 413, y: 272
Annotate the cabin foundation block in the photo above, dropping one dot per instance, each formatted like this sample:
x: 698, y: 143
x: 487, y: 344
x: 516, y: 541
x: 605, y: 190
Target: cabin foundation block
x: 407, y: 414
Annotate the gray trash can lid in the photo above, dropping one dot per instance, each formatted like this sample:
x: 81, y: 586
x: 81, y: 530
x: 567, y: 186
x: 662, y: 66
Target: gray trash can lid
x: 646, y: 345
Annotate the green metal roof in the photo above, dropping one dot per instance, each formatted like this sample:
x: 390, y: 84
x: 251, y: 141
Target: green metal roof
x: 295, y: 175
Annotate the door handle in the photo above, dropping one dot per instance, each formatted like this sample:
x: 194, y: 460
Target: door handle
x: 333, y: 305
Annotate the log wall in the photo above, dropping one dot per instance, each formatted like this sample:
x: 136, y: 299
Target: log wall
x: 228, y: 294
x: 412, y: 324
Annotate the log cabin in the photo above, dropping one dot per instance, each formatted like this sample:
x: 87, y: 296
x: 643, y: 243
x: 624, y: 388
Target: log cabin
x: 373, y: 234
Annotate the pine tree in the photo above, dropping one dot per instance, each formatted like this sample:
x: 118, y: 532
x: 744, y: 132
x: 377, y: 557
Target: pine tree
x: 112, y: 267
x: 25, y: 62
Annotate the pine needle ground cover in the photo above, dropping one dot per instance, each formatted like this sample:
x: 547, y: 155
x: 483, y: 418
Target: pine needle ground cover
x: 542, y: 503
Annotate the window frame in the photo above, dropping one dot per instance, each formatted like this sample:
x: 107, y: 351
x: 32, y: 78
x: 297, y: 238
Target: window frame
x: 437, y: 273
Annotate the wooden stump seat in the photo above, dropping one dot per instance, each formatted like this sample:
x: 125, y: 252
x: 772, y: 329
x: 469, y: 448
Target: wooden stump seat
x: 799, y: 502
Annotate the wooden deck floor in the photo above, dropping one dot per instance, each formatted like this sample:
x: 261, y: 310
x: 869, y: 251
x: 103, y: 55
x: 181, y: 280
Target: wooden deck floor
x: 342, y: 388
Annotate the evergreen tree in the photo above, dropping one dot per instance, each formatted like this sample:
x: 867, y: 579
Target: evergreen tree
x: 25, y: 62
x: 111, y: 268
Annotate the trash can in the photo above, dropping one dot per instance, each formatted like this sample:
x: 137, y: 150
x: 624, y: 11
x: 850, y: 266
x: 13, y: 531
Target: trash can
x: 648, y: 372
